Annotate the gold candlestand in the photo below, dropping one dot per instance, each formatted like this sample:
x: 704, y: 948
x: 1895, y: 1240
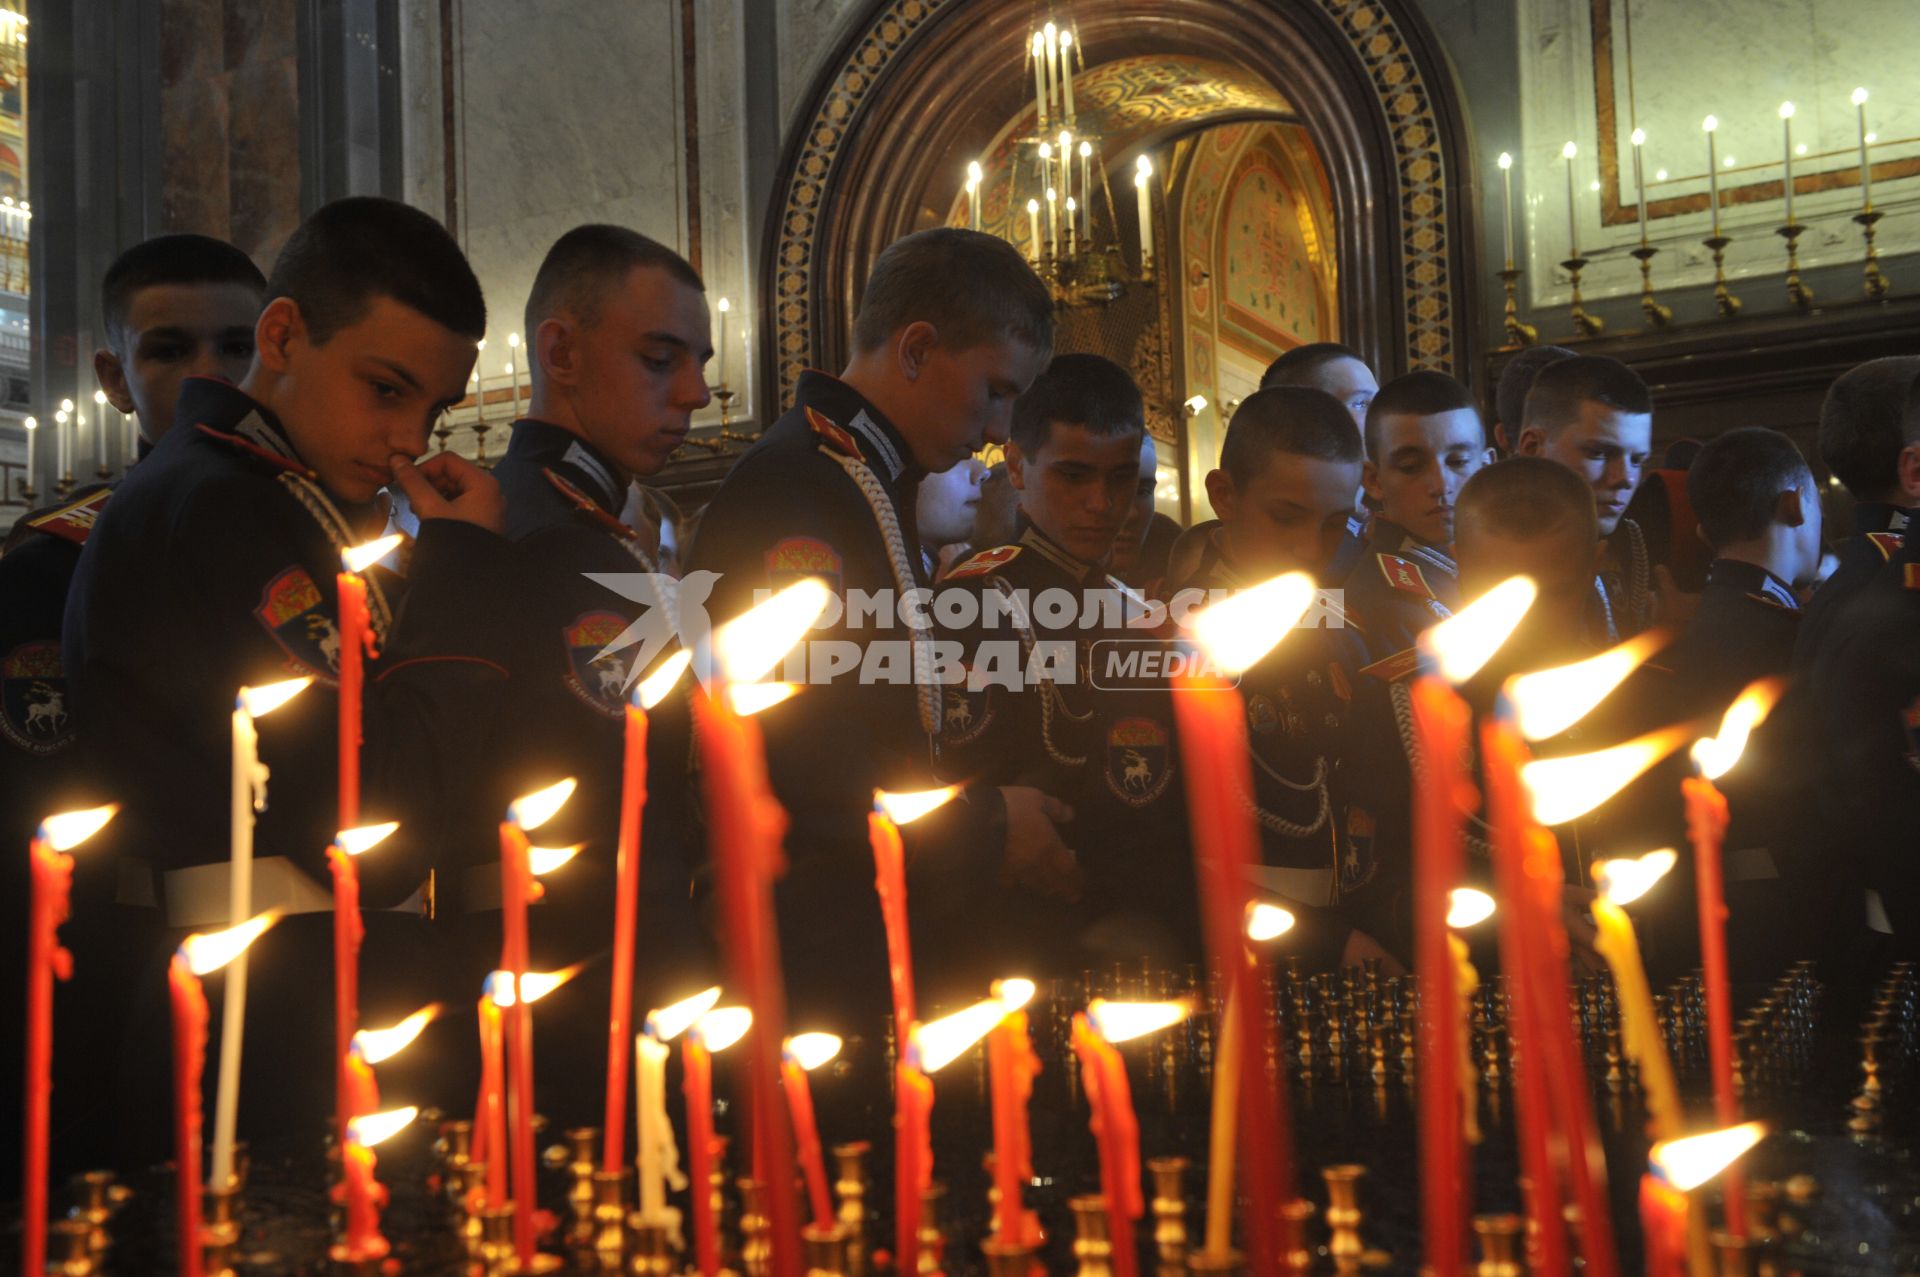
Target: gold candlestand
x: 1658, y: 316
x: 933, y: 1238
x: 1584, y: 325
x: 1798, y: 293
x: 650, y: 1252
x: 1876, y: 283
x: 1499, y: 1246
x: 610, y: 1216
x: 577, y: 1157
x: 1294, y: 1218
x: 850, y: 1162
x: 1092, y: 1242
x: 1722, y: 296
x: 1169, y: 1214
x: 825, y: 1249
x: 1518, y: 334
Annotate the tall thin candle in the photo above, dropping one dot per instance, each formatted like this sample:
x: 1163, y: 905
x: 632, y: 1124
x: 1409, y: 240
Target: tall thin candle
x: 1569, y: 152
x: 348, y: 931
x: 801, y: 1055
x: 659, y: 1157
x: 490, y: 1115
x: 1866, y: 163
x: 356, y: 648
x: 1506, y: 203
x: 1786, y: 151
x: 1711, y: 125
x: 1011, y: 1067
x: 1639, y: 140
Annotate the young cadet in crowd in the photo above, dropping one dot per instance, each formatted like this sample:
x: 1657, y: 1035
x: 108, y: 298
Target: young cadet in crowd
x: 1147, y: 537
x: 947, y: 504
x: 1340, y: 372
x: 1594, y: 415
x: 1424, y: 440
x: 1289, y: 467
x: 1874, y: 451
x: 1510, y: 394
x: 618, y: 334
x: 171, y: 307
x: 213, y: 568
x: 953, y: 326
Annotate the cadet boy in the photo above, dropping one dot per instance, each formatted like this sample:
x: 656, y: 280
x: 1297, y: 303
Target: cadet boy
x: 214, y: 568
x: 948, y: 505
x: 1594, y: 415
x: 1289, y: 467
x: 1510, y: 393
x: 618, y: 332
x: 953, y: 326
x: 1424, y: 440
x: 1328, y: 366
x: 1873, y: 448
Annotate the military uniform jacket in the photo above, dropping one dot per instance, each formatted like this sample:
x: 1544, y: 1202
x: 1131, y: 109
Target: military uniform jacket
x: 586, y: 578
x: 1861, y: 556
x: 1401, y: 586
x: 828, y: 492
x: 1623, y: 589
x: 213, y: 568
x: 1743, y: 629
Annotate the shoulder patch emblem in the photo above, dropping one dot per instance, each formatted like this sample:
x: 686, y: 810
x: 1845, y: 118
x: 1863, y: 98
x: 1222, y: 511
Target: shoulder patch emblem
x: 1404, y: 575
x: 597, y: 678
x: 33, y: 698
x: 1888, y: 543
x: 1401, y: 664
x: 834, y: 437
x: 294, y: 613
x: 983, y: 563
x: 796, y: 558
x: 1139, y: 761
x: 73, y: 521
x: 1356, y: 856
x: 965, y: 713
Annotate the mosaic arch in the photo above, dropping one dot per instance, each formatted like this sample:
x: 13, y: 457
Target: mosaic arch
x: 1404, y: 121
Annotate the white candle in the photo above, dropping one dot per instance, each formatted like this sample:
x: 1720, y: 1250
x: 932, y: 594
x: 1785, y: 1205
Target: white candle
x: 1066, y: 165
x: 1072, y: 212
x: 1639, y: 140
x: 100, y: 436
x: 1052, y: 33
x: 1053, y: 221
x: 247, y: 790
x: 1140, y: 178
x: 1506, y: 205
x: 33, y: 428
x: 513, y: 375
x: 1866, y: 166
x: 974, y: 177
x: 1569, y: 151
x: 720, y: 345
x: 1086, y: 190
x: 1786, y: 131
x: 60, y: 420
x: 659, y: 1155
x: 1040, y: 78
x: 1066, y: 72
x: 1033, y: 228
x: 1711, y: 124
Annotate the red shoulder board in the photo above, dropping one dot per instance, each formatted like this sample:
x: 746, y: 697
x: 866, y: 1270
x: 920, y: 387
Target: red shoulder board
x: 984, y: 562
x: 255, y: 451
x: 1404, y: 575
x: 833, y: 436
x: 1395, y: 667
x: 73, y: 521
x: 590, y: 508
x: 1888, y: 543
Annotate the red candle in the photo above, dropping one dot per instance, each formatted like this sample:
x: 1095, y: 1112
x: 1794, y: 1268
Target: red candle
x: 697, y: 1084
x: 356, y: 648
x: 1706, y: 826
x: 1663, y: 1225
x: 1444, y: 796
x: 626, y: 904
x: 52, y: 875
x: 490, y: 1115
x: 364, y: 1194
x: 912, y: 1156
x: 1012, y: 1066
x: 1117, y: 1132
x: 348, y: 931
x: 803, y: 1054
x: 890, y: 881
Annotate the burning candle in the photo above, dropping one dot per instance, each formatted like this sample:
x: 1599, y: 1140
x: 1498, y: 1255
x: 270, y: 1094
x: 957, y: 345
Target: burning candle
x: 490, y: 1114
x: 32, y: 427
x: 1066, y: 73
x: 1033, y: 229
x: 513, y: 375
x: 1866, y: 165
x: 249, y: 795
x: 1506, y: 202
x: 715, y: 1031
x: 1086, y: 188
x: 801, y: 1055
x: 890, y: 811
x: 356, y: 648
x: 1103, y: 1075
x: 1053, y: 221
x: 1052, y: 34
x: 1142, y: 177
x: 347, y: 933
x: 929, y: 1048
x: 1675, y: 1168
x: 1623, y: 881
x: 1012, y: 1066
x: 1711, y: 125
x: 1039, y: 56
x: 363, y: 1192
x: 974, y: 178
x: 52, y: 884
x: 1786, y: 133
x: 659, y: 1157
x: 1568, y: 153
x: 198, y: 955
x: 626, y: 899
x: 1714, y: 756
x: 1639, y: 140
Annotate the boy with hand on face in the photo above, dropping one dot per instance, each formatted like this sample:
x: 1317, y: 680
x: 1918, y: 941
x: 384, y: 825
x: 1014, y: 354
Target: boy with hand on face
x: 1424, y: 440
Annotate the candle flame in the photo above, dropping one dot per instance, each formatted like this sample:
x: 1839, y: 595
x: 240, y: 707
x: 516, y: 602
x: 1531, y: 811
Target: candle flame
x: 376, y: 1127
x: 654, y: 687
x: 749, y: 699
x: 973, y: 170
x: 1014, y: 993
x: 1237, y: 632
x: 905, y: 808
x: 206, y: 952
x: 1625, y: 879
x: 1548, y: 702
x: 530, y: 811
x: 945, y: 1040
x: 1711, y: 123
x: 1786, y: 110
x: 1086, y: 150
x: 811, y: 1050
x: 359, y: 841
x: 535, y: 985
x: 359, y: 558
x: 1565, y: 789
x: 68, y: 829
x: 722, y: 1027
x: 668, y: 1023
x: 724, y: 305
x: 1506, y: 160
x: 752, y: 644
x: 1039, y: 44
x: 1467, y: 640
x: 1123, y: 1021
x: 1267, y: 921
x: 1569, y: 151
x: 544, y: 860
x: 1688, y: 1163
x: 1468, y: 907
x: 1143, y: 165
x: 377, y: 1045
x: 1716, y: 755
x: 257, y: 701
x: 1033, y: 206
x: 1859, y: 97
x: 1639, y: 137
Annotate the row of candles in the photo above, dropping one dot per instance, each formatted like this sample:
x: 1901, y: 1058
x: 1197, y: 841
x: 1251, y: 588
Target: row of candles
x: 1063, y: 207
x: 1251, y: 1153
x: 70, y: 435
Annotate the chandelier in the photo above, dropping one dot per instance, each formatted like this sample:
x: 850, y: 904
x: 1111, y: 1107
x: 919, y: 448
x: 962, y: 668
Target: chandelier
x: 1055, y: 178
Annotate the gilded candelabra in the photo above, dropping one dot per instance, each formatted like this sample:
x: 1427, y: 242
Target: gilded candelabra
x: 1518, y: 334
x: 1722, y: 296
x: 1797, y: 292
x: 1876, y: 283
x: 1658, y: 316
x: 1584, y: 325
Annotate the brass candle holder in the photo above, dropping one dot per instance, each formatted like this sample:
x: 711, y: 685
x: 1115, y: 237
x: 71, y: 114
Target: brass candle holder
x: 69, y: 1252
x: 724, y: 394
x: 577, y: 1156
x: 1294, y: 1218
x: 1499, y: 1245
x: 64, y: 486
x: 1092, y: 1241
x: 1723, y: 297
x: 1797, y: 292
x: 1169, y: 1214
x: 1584, y: 325
x: 1344, y: 1246
x: 825, y: 1249
x: 756, y: 1230
x: 1016, y: 1259
x: 649, y: 1248
x: 850, y: 1182
x: 932, y: 1234
x: 1518, y: 334
x: 1202, y: 1264
x: 497, y: 1255
x: 610, y: 1215
x: 1658, y: 316
x: 219, y: 1228
x: 1876, y: 283
x: 96, y: 1196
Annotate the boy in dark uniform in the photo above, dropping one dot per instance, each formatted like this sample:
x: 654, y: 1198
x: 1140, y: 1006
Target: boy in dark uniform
x: 1289, y: 468
x: 953, y: 326
x: 1424, y: 440
x: 1873, y: 449
x: 618, y: 330
x: 1339, y: 371
x: 1510, y: 393
x: 214, y: 568
x: 1594, y: 415
x: 172, y: 307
